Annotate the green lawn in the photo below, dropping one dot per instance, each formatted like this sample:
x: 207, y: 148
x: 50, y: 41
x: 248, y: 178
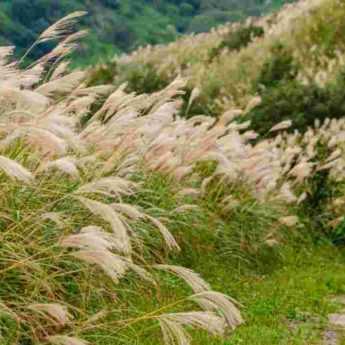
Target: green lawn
x: 286, y: 298
x: 288, y: 306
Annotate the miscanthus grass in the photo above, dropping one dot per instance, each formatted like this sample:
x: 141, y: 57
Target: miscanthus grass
x: 70, y: 243
x: 80, y: 252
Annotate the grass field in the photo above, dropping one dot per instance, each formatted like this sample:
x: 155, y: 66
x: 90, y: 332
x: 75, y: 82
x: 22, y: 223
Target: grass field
x: 125, y: 220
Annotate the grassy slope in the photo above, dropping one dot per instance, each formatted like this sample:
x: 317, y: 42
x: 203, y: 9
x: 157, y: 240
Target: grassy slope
x: 230, y: 78
x: 284, y: 303
x: 288, y: 306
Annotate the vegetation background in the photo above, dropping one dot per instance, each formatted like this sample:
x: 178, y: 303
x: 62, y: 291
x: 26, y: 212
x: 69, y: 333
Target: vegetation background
x: 122, y: 25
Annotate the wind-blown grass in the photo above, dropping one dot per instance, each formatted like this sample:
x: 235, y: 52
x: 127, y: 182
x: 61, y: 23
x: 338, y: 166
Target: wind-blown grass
x: 70, y: 244
x: 90, y: 230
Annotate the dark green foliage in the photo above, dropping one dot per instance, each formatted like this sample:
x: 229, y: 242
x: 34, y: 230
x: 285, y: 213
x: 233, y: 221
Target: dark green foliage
x: 289, y: 101
x: 281, y: 67
x: 242, y: 37
x: 103, y: 74
x: 338, y: 235
x: 142, y: 79
x: 139, y: 78
x: 318, y: 206
x: 320, y: 193
x: 318, y: 211
x: 200, y: 106
x: 302, y: 104
x: 119, y: 25
x: 238, y: 39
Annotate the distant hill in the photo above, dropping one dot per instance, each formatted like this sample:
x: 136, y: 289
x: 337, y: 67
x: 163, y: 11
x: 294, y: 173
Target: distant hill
x: 292, y: 59
x: 123, y: 25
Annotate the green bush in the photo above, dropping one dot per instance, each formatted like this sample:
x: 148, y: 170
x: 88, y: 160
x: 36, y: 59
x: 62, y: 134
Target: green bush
x: 318, y: 209
x: 280, y: 67
x: 204, y: 104
x: 142, y: 78
x: 320, y: 193
x: 302, y: 104
x: 289, y: 101
x: 237, y: 40
x: 103, y: 74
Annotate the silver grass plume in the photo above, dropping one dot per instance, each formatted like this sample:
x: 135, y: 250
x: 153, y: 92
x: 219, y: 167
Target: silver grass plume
x: 54, y: 217
x: 62, y: 85
x: 218, y: 302
x: 281, y: 126
x: 91, y: 237
x: 172, y: 326
x: 64, y: 48
x: 14, y: 170
x: 96, y: 246
x: 166, y: 234
x: 108, y: 186
x: 5, y: 54
x: 130, y: 211
x: 53, y: 311
x: 60, y: 70
x: 42, y: 139
x: 191, y: 278
x: 66, y: 165
x: 61, y: 28
x: 66, y: 340
x: 57, y: 31
x: 113, y: 265
x: 106, y: 212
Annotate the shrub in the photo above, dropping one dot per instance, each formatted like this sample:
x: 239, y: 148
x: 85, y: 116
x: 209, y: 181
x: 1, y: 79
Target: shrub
x: 204, y: 104
x: 303, y: 104
x: 238, y: 39
x: 321, y: 192
x: 289, y: 101
x: 280, y: 67
x: 103, y: 74
x: 142, y: 78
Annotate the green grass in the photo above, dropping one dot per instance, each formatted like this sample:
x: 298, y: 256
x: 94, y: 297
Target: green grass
x: 283, y: 304
x: 288, y: 306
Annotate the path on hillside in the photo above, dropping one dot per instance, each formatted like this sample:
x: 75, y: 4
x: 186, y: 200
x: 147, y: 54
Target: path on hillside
x: 336, y: 323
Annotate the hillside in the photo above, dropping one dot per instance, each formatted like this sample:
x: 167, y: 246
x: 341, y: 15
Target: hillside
x: 189, y: 193
x: 293, y: 55
x: 117, y: 26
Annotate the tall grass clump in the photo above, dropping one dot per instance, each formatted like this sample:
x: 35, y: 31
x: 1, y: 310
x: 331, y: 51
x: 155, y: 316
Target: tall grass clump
x: 73, y: 260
